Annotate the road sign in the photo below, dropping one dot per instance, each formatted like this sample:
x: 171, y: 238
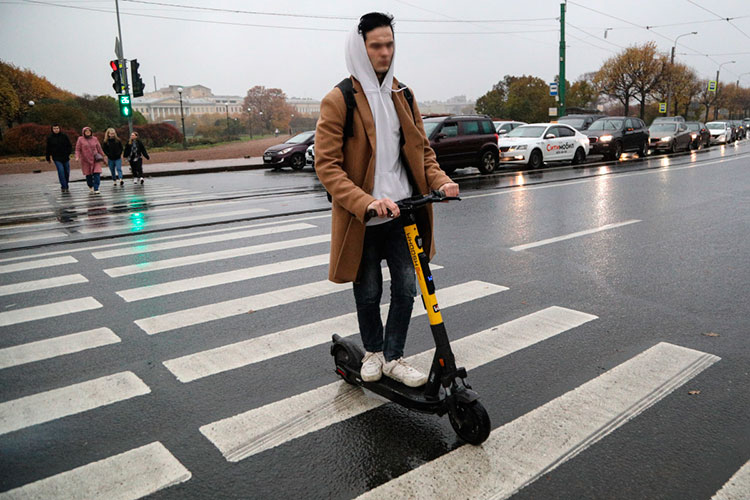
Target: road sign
x: 662, y: 107
x: 553, y: 111
x: 118, y: 48
x: 553, y: 88
x: 712, y: 85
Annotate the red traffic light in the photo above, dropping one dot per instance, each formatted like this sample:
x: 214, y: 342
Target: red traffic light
x: 114, y: 65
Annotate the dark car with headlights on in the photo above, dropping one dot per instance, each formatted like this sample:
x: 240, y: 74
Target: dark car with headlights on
x: 613, y: 135
x: 669, y: 136
x: 290, y: 153
x: 461, y: 141
x: 700, y: 135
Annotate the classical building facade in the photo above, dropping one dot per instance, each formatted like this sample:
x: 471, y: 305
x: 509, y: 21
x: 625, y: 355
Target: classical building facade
x: 164, y: 104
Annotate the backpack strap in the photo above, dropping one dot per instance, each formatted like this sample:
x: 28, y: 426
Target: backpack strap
x: 409, y: 99
x: 347, y: 89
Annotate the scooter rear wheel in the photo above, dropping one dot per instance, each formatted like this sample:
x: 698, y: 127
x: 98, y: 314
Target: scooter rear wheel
x: 471, y: 422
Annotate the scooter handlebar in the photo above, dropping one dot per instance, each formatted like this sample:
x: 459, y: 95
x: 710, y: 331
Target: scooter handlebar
x: 417, y: 201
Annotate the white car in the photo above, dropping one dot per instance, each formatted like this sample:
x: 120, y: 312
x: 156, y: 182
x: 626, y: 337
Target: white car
x: 310, y: 155
x: 537, y: 143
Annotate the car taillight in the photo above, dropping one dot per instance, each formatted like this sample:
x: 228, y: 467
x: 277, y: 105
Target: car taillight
x: 497, y: 137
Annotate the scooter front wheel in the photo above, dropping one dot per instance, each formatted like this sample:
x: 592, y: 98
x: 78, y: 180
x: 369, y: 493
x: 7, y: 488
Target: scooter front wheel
x: 471, y: 422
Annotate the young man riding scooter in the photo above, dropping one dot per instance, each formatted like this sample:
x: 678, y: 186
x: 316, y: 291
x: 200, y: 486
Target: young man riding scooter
x: 371, y: 150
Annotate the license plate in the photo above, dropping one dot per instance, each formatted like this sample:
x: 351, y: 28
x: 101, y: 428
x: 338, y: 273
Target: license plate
x: 266, y: 158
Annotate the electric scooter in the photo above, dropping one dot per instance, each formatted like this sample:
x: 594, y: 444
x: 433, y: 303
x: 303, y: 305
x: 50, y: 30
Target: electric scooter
x: 446, y: 390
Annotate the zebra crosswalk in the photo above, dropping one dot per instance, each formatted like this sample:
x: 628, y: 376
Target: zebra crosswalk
x: 212, y: 310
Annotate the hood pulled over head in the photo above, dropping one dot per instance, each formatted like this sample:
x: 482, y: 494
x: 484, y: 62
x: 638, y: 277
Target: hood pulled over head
x: 359, y: 65
x: 83, y: 131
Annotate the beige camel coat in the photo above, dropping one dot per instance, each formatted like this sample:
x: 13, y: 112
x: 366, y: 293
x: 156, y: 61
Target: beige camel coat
x: 347, y: 171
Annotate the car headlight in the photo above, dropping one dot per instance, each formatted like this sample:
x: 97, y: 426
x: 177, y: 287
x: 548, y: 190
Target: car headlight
x: 694, y: 136
x: 521, y: 147
x: 666, y: 139
x: 722, y: 137
x: 605, y: 138
x: 285, y: 151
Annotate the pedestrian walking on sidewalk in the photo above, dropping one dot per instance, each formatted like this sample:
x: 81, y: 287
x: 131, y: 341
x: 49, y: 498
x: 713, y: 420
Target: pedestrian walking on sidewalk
x: 59, y: 149
x: 113, y: 149
x: 91, y: 155
x: 135, y: 151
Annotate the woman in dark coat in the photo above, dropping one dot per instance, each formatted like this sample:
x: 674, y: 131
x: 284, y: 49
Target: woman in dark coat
x: 113, y: 149
x: 59, y: 149
x: 134, y: 152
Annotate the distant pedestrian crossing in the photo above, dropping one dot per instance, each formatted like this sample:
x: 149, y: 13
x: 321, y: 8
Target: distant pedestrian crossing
x: 178, y: 287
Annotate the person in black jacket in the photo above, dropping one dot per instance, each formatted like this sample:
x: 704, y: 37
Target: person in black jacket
x: 135, y: 151
x: 59, y: 149
x: 113, y: 149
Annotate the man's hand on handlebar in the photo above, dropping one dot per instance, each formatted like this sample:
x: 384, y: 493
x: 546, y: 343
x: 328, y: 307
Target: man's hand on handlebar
x: 384, y: 207
x: 450, y: 189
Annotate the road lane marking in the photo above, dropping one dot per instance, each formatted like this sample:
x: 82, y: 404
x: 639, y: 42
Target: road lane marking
x: 233, y: 356
x: 130, y: 475
x: 738, y: 486
x: 48, y: 310
x: 209, y: 280
x: 518, y: 453
x: 57, y: 346
x: 144, y: 239
x: 43, y: 284
x: 148, y: 224
x: 257, y: 430
x: 37, y: 264
x: 147, y: 246
x: 188, y: 260
x: 77, y: 398
x: 573, y: 235
x: 43, y: 236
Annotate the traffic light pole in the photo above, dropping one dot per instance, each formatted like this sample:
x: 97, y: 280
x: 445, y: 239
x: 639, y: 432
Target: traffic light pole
x: 124, y: 68
x: 561, y: 82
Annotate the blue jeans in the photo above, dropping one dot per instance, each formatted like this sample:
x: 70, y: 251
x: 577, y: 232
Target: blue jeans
x: 63, y: 172
x: 385, y: 241
x: 93, y: 181
x: 115, y: 165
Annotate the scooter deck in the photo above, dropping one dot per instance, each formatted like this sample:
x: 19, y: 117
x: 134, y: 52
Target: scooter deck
x: 410, y: 397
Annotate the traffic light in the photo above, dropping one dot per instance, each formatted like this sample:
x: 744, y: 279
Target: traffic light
x: 116, y: 77
x: 136, y: 78
x: 125, y: 109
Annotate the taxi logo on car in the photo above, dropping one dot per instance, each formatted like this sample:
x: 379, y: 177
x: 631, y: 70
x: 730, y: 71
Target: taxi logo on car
x: 563, y: 147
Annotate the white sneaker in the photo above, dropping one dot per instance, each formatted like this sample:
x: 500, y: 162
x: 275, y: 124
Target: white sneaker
x: 372, y: 366
x: 398, y: 370
x: 115, y: 183
x: 91, y: 189
x: 135, y: 180
x: 141, y: 180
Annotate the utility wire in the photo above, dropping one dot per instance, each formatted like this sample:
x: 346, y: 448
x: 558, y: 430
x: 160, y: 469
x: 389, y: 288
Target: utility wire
x: 727, y: 19
x: 299, y: 28
x: 313, y: 16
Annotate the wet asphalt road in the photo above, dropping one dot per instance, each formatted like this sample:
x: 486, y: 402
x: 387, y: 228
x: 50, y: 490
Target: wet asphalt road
x: 674, y: 271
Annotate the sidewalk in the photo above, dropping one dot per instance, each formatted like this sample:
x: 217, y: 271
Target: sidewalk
x: 149, y: 169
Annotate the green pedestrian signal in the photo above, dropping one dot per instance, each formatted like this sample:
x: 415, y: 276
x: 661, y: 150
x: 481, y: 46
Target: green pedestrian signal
x: 125, y: 109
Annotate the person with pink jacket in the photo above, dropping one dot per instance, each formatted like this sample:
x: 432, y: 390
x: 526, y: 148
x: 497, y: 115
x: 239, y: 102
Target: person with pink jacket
x: 89, y: 152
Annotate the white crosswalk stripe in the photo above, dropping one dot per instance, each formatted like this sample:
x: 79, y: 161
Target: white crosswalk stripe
x: 69, y: 400
x: 252, y: 432
x: 230, y: 357
x: 37, y: 264
x: 48, y: 310
x: 42, y: 284
x: 130, y: 475
x: 171, y: 220
x: 520, y: 452
x: 57, y: 346
x: 233, y: 276
x: 738, y: 486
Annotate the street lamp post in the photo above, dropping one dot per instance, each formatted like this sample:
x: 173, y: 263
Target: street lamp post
x: 182, y: 116
x: 671, y: 66
x: 716, y: 108
x: 226, y: 103
x: 290, y: 124
x: 250, y: 120
x: 260, y: 113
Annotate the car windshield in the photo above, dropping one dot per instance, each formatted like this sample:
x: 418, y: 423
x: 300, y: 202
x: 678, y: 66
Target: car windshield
x: 715, y: 125
x: 300, y: 138
x: 663, y: 127
x: 606, y: 124
x: 527, y: 131
x: 429, y: 127
x: 694, y: 126
x: 573, y: 122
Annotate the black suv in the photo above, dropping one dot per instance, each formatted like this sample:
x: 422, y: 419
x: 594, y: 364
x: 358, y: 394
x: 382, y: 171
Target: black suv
x: 613, y: 135
x: 579, y: 122
x: 463, y: 141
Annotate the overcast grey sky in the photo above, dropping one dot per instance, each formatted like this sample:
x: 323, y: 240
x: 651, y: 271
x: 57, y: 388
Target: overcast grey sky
x: 72, y: 45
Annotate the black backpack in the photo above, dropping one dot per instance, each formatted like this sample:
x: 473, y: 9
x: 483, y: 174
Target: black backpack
x: 347, y: 89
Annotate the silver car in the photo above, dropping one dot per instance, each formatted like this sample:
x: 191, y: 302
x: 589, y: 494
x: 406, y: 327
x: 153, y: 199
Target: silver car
x: 310, y: 155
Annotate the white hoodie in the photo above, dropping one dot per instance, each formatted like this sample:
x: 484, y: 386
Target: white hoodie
x: 391, y: 180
